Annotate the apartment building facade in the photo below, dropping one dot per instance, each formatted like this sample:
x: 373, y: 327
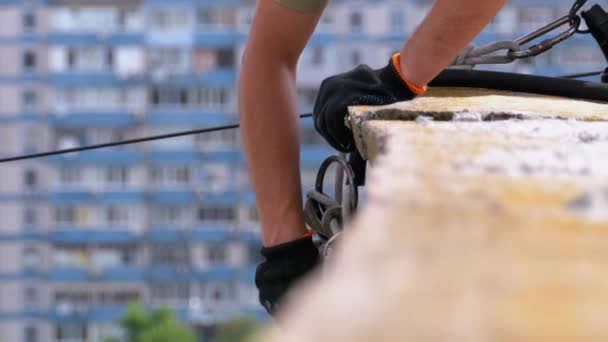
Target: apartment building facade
x: 171, y: 221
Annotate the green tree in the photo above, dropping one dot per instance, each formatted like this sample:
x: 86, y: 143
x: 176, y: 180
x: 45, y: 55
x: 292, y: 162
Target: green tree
x: 159, y: 326
x: 238, y: 329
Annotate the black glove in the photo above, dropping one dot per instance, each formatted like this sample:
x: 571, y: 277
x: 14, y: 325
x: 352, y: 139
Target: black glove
x: 285, y: 264
x: 360, y: 86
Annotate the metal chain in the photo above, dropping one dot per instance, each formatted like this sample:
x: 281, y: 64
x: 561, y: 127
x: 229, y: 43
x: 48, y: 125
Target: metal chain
x: 514, y: 50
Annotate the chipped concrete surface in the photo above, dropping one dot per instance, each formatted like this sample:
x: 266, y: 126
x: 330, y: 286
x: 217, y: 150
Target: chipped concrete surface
x: 473, y: 230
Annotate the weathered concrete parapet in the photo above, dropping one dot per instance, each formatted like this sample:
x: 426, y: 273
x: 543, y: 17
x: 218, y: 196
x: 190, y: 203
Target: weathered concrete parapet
x: 473, y: 230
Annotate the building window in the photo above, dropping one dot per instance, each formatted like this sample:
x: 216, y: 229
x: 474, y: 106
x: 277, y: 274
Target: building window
x: 29, y: 100
x: 169, y: 60
x: 30, y: 334
x: 31, y: 138
x: 218, y: 292
x: 534, y: 17
x: 253, y: 214
x: 105, y: 258
x: 167, y: 215
x: 170, y: 292
x: 355, y: 57
x: 65, y: 215
x: 396, y: 20
x: 216, y: 17
x: 216, y: 214
x: 90, y: 58
x: 356, y: 21
x: 117, y: 175
x: 30, y: 216
x: 214, y: 177
x: 70, y: 175
x: 31, y: 258
x: 29, y: 21
x: 30, y: 179
x: 171, y: 175
x: 210, y: 97
x: 216, y: 140
x: 71, y: 332
x: 117, y: 215
x: 30, y: 296
x: 253, y: 253
x: 110, y: 57
x: 226, y: 58
x: 169, y: 19
x: 29, y: 61
x: 216, y: 253
x: 317, y: 56
x: 170, y: 254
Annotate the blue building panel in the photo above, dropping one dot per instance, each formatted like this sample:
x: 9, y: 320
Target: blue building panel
x: 100, y: 313
x: 109, y: 156
x: 220, y: 77
x: 217, y: 39
x: 107, y: 79
x: 122, y: 197
x: 247, y: 197
x: 172, y: 197
x: 193, y: 2
x: 211, y: 234
x: 70, y: 197
x: 73, y: 39
x: 162, y: 273
x: 110, y: 120
x: 87, y: 39
x: 106, y: 313
x: 217, y: 273
x: 71, y: 274
x: 183, y: 118
x: 228, y: 198
x: 75, y: 236
x: 190, y: 156
x: 165, y: 235
x: 313, y: 155
x: 123, y: 274
x: 250, y: 237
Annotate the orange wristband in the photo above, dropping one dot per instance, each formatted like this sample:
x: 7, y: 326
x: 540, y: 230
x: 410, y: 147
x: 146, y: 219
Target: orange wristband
x: 309, y: 233
x: 416, y: 89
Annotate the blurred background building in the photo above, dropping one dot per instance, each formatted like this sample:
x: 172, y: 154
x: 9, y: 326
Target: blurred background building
x: 172, y: 221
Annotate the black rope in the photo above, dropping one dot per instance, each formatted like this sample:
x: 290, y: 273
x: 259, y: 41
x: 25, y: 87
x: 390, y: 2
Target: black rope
x: 583, y: 74
x: 126, y: 142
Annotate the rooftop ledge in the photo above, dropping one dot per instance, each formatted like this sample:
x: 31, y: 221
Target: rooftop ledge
x: 487, y: 219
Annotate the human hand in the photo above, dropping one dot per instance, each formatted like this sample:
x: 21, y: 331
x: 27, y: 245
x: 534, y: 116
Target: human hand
x: 284, y: 265
x: 360, y: 86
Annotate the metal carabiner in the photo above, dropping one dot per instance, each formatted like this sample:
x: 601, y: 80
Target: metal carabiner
x: 546, y: 44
